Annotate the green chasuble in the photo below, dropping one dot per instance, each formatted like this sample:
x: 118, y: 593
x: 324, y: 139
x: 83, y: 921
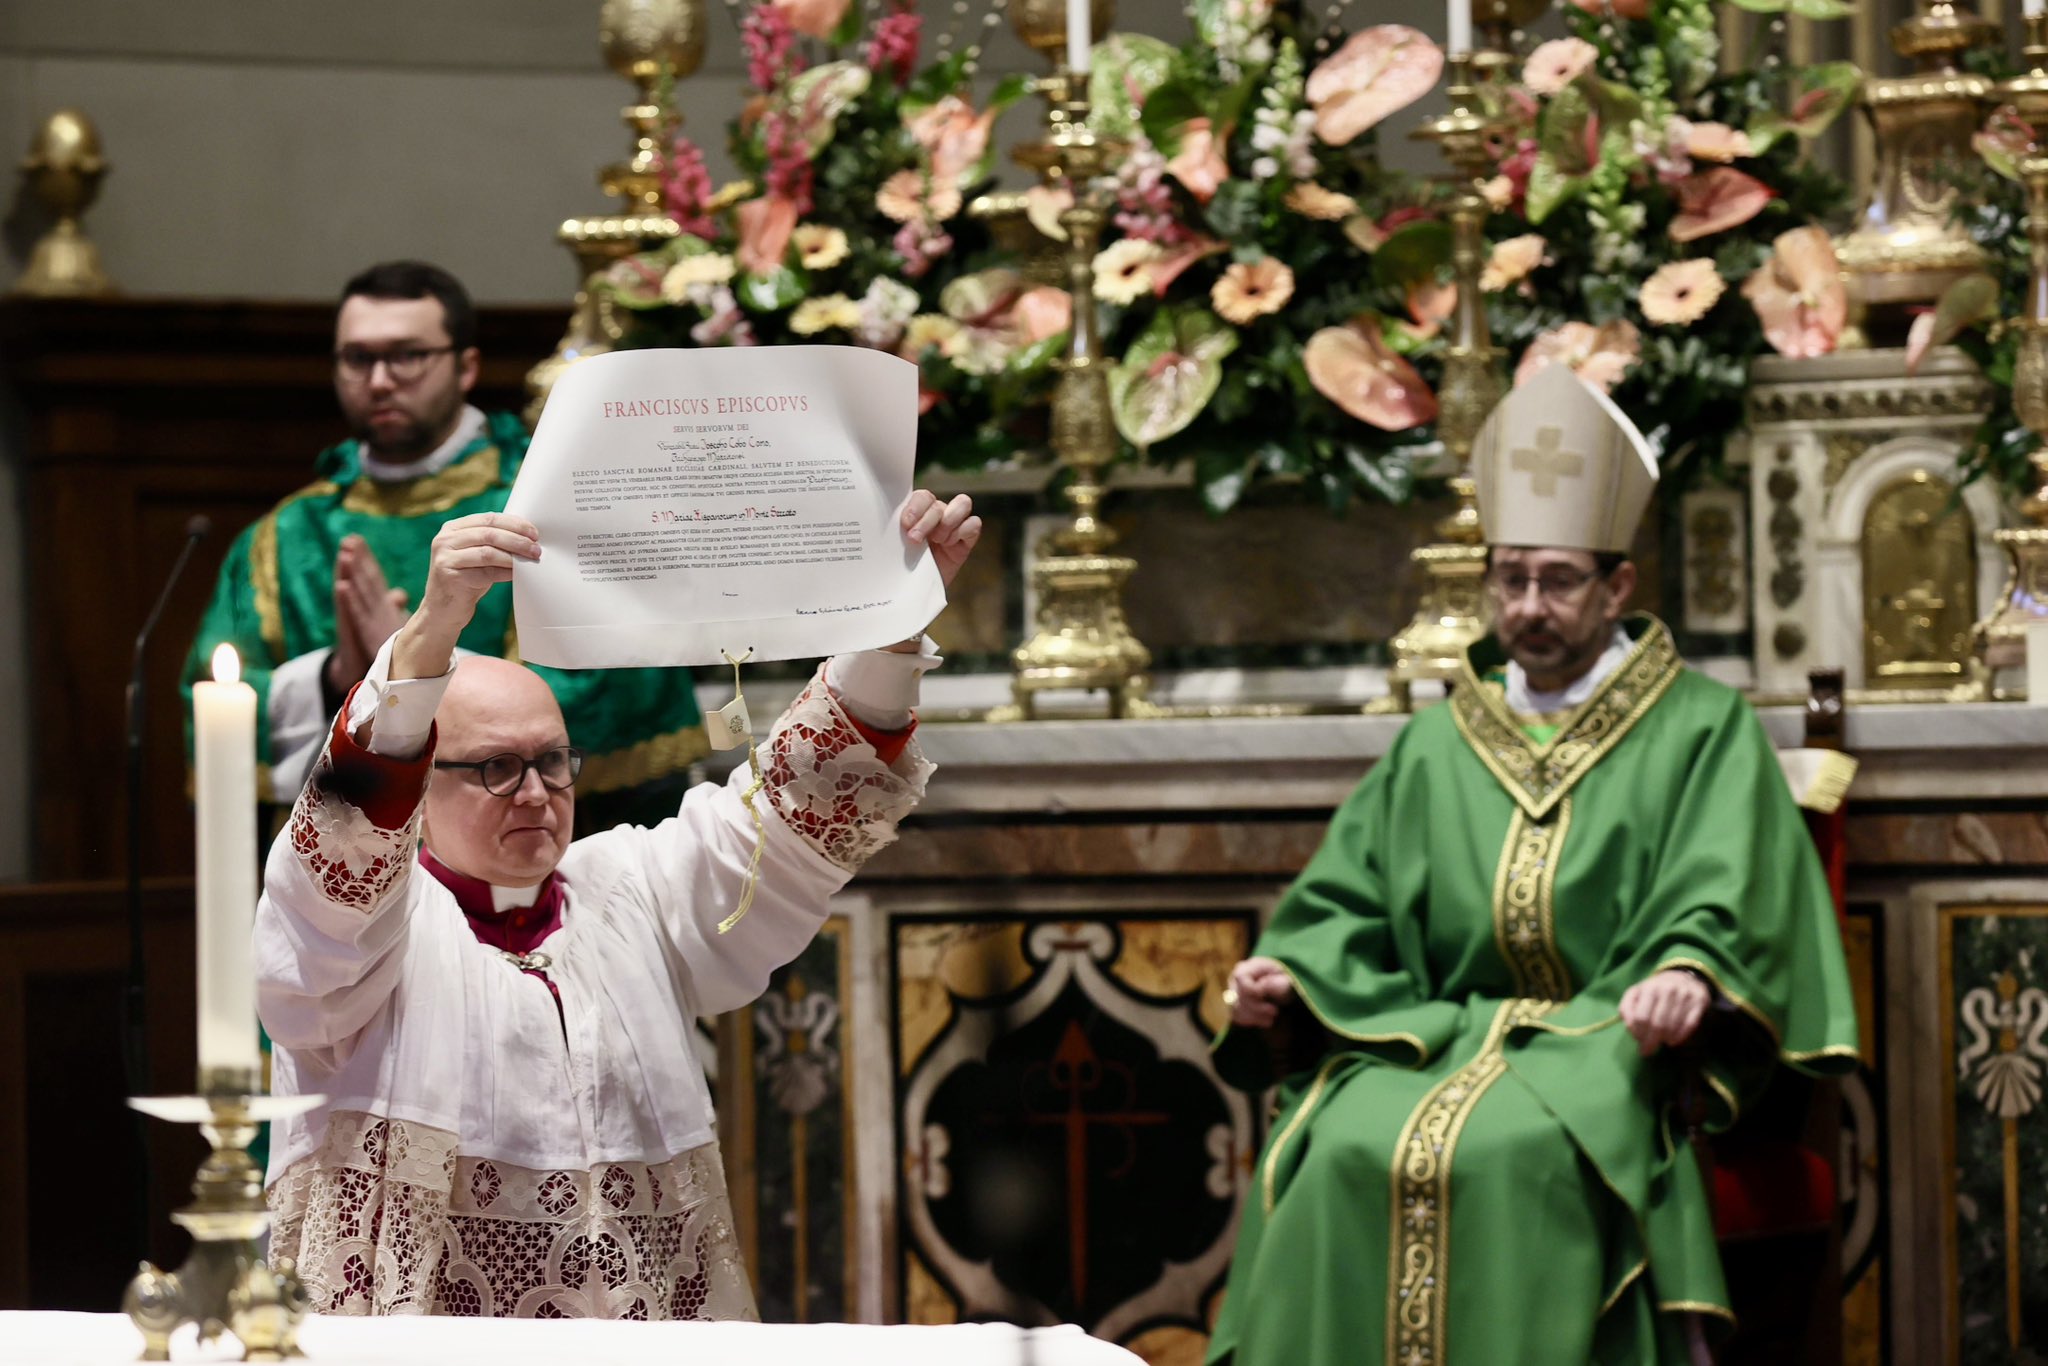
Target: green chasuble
x: 1481, y: 1169
x: 640, y: 728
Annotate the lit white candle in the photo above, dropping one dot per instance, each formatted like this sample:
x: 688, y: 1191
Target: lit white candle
x: 2033, y: 7
x: 1080, y: 38
x: 1461, y: 25
x: 224, y: 764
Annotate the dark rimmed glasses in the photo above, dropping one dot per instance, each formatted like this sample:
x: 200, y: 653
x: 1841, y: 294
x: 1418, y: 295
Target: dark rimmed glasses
x: 503, y: 774
x: 1552, y: 585
x: 406, y: 363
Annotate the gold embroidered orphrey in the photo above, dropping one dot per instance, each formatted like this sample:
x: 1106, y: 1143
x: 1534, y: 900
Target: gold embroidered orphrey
x: 1539, y: 776
x: 1418, y: 1273
x: 1524, y: 919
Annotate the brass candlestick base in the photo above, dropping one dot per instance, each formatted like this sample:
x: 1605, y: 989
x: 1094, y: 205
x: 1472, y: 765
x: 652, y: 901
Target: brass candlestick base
x: 224, y: 1285
x: 2002, y: 637
x: 1451, y: 616
x: 1081, y: 641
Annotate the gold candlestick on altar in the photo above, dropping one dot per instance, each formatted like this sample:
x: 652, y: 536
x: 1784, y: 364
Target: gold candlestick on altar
x: 645, y: 41
x: 1082, y: 641
x: 225, y: 1285
x: 1452, y: 612
x: 2002, y: 637
x: 1908, y: 247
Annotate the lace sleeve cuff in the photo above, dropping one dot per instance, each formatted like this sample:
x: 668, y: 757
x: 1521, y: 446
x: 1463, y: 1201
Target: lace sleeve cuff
x: 827, y: 783
x: 357, y: 819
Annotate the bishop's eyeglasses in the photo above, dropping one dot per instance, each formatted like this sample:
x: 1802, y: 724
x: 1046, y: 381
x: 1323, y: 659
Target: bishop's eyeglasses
x: 503, y: 774
x: 1552, y: 585
x: 405, y: 363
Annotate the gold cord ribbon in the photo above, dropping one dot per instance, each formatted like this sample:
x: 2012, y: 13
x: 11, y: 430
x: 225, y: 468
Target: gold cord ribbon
x: 760, y: 782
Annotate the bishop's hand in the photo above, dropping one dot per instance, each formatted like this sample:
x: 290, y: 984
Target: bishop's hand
x: 1258, y: 988
x: 470, y: 554
x: 1665, y: 1008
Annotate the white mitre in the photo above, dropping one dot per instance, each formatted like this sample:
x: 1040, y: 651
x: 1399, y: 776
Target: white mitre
x: 1557, y: 464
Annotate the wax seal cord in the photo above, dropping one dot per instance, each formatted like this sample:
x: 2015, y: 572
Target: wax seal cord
x: 760, y: 827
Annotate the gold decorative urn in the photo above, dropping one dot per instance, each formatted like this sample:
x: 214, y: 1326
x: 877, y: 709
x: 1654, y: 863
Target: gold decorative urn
x: 64, y: 167
x: 1907, y: 247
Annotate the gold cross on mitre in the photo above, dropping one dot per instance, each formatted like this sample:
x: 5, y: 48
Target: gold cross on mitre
x: 1547, y: 461
x: 1557, y: 464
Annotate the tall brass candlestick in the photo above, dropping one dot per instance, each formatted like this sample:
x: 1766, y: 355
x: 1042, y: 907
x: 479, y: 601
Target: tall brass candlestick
x: 1451, y: 615
x: 643, y: 40
x: 2002, y: 637
x: 1081, y: 641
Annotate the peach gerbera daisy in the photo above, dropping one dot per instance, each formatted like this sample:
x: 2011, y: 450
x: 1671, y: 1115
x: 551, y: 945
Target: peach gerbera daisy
x: 1252, y: 289
x: 1123, y: 270
x: 1557, y: 63
x: 1681, y: 292
x: 1510, y: 262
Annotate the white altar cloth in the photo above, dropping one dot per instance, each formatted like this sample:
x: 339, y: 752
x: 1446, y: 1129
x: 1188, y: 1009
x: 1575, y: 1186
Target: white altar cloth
x: 56, y: 1339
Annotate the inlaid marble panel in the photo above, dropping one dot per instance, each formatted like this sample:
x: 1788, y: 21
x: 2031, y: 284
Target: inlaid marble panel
x: 789, y: 1135
x: 1069, y: 1155
x: 1994, y: 977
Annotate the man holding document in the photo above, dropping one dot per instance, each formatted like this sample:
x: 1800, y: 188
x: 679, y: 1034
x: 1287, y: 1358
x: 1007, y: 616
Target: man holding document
x: 514, y: 1120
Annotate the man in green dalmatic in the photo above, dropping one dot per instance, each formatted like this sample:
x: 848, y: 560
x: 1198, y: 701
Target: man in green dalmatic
x: 311, y: 590
x: 1585, y: 858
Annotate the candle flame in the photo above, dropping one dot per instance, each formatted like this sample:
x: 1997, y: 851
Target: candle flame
x: 227, y: 665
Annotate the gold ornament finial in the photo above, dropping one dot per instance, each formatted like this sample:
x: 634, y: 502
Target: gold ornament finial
x: 64, y: 167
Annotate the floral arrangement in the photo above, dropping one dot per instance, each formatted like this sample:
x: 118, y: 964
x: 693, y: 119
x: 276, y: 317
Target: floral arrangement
x: 1656, y: 221
x: 1272, y: 295
x: 1267, y: 291
x: 849, y: 225
x: 1272, y: 299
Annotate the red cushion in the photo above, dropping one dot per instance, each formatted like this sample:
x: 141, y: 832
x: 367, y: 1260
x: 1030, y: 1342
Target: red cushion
x: 1772, y: 1188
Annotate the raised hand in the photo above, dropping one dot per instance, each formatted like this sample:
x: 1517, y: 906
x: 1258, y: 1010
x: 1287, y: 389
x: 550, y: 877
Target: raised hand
x: 950, y: 529
x: 1665, y: 1008
x: 1258, y: 988
x: 470, y: 554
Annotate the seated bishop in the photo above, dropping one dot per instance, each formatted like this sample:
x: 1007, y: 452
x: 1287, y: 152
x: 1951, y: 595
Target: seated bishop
x: 498, y: 1020
x: 1574, y: 888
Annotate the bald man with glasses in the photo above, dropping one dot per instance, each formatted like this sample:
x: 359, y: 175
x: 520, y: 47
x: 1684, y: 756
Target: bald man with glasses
x: 498, y: 1018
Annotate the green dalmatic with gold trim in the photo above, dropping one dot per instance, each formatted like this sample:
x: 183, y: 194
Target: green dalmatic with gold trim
x: 275, y: 601
x: 1481, y: 1167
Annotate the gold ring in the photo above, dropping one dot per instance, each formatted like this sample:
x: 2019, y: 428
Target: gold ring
x: 1230, y: 997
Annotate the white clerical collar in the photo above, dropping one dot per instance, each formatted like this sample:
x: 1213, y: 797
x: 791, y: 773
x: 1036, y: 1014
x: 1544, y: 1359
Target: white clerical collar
x: 1528, y: 702
x: 467, y: 429
x: 514, y: 898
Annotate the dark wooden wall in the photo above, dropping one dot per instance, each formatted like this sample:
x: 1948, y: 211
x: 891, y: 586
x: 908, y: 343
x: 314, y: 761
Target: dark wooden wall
x: 139, y: 414
x: 134, y: 415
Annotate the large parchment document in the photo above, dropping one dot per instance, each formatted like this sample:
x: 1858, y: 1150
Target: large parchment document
x: 699, y: 503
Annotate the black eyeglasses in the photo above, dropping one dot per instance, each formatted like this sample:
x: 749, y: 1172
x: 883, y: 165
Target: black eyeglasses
x: 1554, y: 585
x: 504, y: 774
x: 405, y: 363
